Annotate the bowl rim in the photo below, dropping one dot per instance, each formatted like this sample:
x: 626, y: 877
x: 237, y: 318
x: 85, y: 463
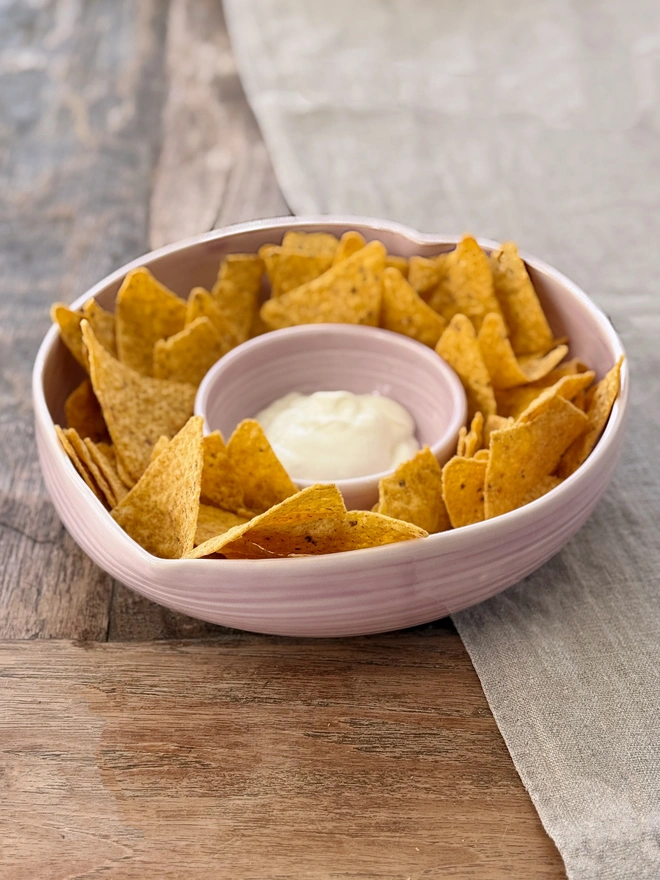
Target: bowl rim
x: 420, y: 351
x: 449, y: 541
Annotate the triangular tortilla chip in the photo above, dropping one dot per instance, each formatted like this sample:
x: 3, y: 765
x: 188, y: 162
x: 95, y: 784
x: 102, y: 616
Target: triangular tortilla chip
x: 470, y: 281
x: 287, y: 269
x: 568, y: 387
x: 103, y: 325
x: 349, y: 243
x: 160, y: 512
x: 528, y: 451
x: 236, y: 292
x: 404, y: 311
x: 98, y: 476
x: 463, y: 490
x: 107, y: 467
x: 459, y: 347
x: 475, y: 437
x: 78, y: 463
x: 544, y: 485
x: 462, y: 437
x: 424, y: 273
x: 413, y: 493
x: 514, y: 401
x: 348, y: 293
x: 212, y: 522
x: 598, y: 412
x: 505, y: 369
x: 136, y: 409
x: 264, y: 480
x: 221, y: 484
x: 495, y: 423
x: 160, y: 444
x: 146, y: 312
x: 83, y: 413
x: 69, y: 323
x: 400, y: 263
x: 528, y: 327
x: 201, y: 304
x: 311, y: 242
x: 189, y: 354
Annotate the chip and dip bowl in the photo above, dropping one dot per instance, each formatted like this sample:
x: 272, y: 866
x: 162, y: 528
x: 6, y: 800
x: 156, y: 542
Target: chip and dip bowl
x: 349, y: 593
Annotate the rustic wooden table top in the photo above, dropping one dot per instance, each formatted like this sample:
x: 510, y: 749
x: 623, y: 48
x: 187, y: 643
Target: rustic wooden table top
x: 135, y: 742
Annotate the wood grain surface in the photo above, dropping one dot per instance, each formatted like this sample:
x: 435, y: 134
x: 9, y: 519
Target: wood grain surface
x: 258, y: 758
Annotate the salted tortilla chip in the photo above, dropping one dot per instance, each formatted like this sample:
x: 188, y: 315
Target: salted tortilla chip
x: 160, y: 512
x: 189, y: 354
x: 413, y: 493
x: 221, y: 483
x: 475, y: 437
x: 505, y: 369
x: 82, y: 451
x: 482, y: 455
x: 462, y: 437
x: 568, y: 387
x: 69, y: 323
x: 103, y: 325
x: 404, y: 311
x: 514, y: 401
x: 349, y: 243
x: 348, y: 293
x: 463, y: 490
x: 544, y: 485
x: 236, y: 292
x: 136, y: 409
x: 83, y: 413
x: 287, y: 269
x: 109, y: 470
x: 400, y: 263
x: 265, y: 482
x: 161, y: 443
x: 528, y: 327
x: 494, y: 423
x: 146, y: 312
x: 425, y: 272
x: 526, y: 452
x: 470, y: 282
x: 212, y: 522
x: 78, y: 463
x: 458, y: 345
x: 598, y: 413
x: 124, y: 475
x: 580, y: 400
x: 364, y: 528
x: 311, y: 242
x: 201, y: 304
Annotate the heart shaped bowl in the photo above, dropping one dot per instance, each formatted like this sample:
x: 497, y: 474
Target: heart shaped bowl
x: 357, y: 592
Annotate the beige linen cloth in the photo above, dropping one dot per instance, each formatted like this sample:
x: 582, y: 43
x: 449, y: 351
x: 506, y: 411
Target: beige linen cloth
x: 537, y: 121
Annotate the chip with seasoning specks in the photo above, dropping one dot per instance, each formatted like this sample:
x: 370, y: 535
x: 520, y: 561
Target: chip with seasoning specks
x: 259, y: 471
x: 404, y: 311
x: 413, y: 493
x: 458, y: 345
x: 463, y: 490
x: 83, y: 413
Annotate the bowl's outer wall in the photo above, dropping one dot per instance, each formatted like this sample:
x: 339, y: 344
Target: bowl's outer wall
x: 349, y: 593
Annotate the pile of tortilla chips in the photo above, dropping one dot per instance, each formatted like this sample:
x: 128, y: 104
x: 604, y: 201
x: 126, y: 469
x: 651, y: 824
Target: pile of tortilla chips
x: 533, y: 415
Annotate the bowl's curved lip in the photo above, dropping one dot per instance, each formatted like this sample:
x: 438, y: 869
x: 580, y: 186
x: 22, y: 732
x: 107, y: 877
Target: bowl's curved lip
x: 395, y: 340
x: 390, y: 554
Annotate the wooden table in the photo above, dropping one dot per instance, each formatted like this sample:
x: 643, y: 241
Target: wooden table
x: 134, y: 742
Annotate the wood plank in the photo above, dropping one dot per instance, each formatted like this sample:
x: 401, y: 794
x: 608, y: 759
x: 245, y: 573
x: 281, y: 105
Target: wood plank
x: 366, y: 758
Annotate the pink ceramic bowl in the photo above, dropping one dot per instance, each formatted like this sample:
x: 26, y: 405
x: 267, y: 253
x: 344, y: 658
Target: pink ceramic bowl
x: 338, y: 357
x: 364, y: 591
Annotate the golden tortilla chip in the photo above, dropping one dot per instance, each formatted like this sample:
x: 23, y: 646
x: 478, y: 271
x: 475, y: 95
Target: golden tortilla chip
x: 459, y: 347
x: 463, y: 490
x: 495, y: 423
x: 364, y: 528
x: 514, y: 401
x: 311, y: 242
x: 520, y: 456
x: 600, y: 406
x: 160, y: 512
x: 413, y: 493
x: 212, y: 522
x: 221, y: 484
x: 505, y: 369
x: 78, y: 463
x: 528, y: 327
x: 470, y: 282
x: 201, y: 304
x: 482, y: 455
x: 161, y: 443
x: 288, y: 269
x: 349, y: 243
x: 82, y: 451
x: 580, y: 400
x: 348, y: 293
x: 404, y: 311
x: 544, y: 485
x: 69, y: 323
x: 107, y: 467
x: 136, y: 409
x: 424, y: 273
x: 103, y: 325
x: 400, y: 263
x: 124, y: 475
x: 475, y: 437
x: 236, y: 292
x: 83, y: 413
x: 462, y: 437
x: 189, y: 355
x: 568, y: 388
x: 260, y: 472
x: 146, y: 312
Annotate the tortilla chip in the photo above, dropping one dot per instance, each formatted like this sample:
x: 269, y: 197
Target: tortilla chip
x: 189, y: 355
x: 528, y: 327
x: 160, y: 512
x: 463, y: 490
x: 83, y: 413
x: 349, y: 243
x: 413, y: 493
x: 146, y: 312
x: 236, y: 292
x: 212, y: 522
x: 544, y: 485
x: 482, y: 455
x: 109, y: 470
x: 78, y: 463
x: 514, y: 401
x: 201, y: 304
x: 124, y: 475
x: 520, y: 456
x: 424, y: 273
x: 348, y: 293
x: 404, y: 311
x: 221, y: 484
x: 400, y: 263
x: 459, y: 347
x: 103, y: 325
x: 475, y: 437
x: 495, y: 423
x: 69, y: 323
x: 580, y: 400
x: 82, y: 451
x: 288, y: 269
x: 136, y: 409
x: 462, y: 437
x: 260, y: 472
x: 161, y: 443
x: 505, y: 369
x: 602, y: 401
x: 470, y: 282
x: 311, y: 242
x: 568, y: 388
